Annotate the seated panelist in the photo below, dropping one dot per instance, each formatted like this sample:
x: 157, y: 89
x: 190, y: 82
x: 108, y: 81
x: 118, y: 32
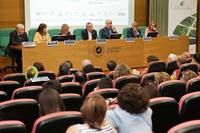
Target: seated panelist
x: 152, y: 28
x: 41, y: 34
x: 89, y: 33
x: 64, y: 30
x: 108, y: 30
x: 134, y: 31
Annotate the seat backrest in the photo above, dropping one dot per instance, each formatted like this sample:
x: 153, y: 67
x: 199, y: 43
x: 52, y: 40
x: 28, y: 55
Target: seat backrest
x: 106, y: 93
x: 65, y: 78
x: 156, y: 66
x: 189, y: 107
x: 173, y: 88
x: 95, y: 75
x: 30, y: 83
x: 89, y: 87
x: 12, y: 126
x: 97, y: 69
x: 57, y: 122
x: 24, y: 110
x: 49, y: 74
x: 148, y: 76
x: 189, y: 60
x: 9, y: 87
x: 110, y: 75
x: 171, y: 66
x: 165, y: 113
x: 186, y: 127
x: 73, y: 70
x: 77, y: 32
x: 53, y: 32
x: 72, y: 102
x: 124, y: 32
x: 99, y: 32
x: 193, y: 85
x: 123, y: 80
x: 19, y: 77
x: 31, y: 92
x: 31, y: 34
x: 142, y: 30
x: 3, y: 96
x: 71, y: 87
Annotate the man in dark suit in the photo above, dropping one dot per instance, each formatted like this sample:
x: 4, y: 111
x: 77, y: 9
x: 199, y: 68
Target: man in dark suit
x: 89, y: 33
x: 16, y: 38
x: 107, y: 30
x: 134, y: 31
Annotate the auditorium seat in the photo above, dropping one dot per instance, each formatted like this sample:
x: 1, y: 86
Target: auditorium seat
x: 189, y: 60
x: 193, y: 85
x: 123, y: 80
x: 24, y: 110
x: 95, y: 75
x: 65, y: 78
x: 49, y: 74
x: 71, y: 87
x: 110, y: 75
x: 148, y: 76
x: 73, y: 70
x: 12, y: 126
x: 89, y: 87
x: 19, y: 77
x: 189, y: 107
x: 156, y: 66
x: 165, y: 113
x: 31, y: 92
x: 124, y: 32
x: 57, y: 122
x: 30, y: 83
x: 72, y: 102
x: 173, y: 88
x: 3, y: 96
x: 171, y: 66
x: 107, y: 92
x: 53, y: 32
x: 77, y: 32
x: 97, y: 69
x: 8, y: 87
x: 186, y: 127
x: 142, y: 30
x: 31, y: 34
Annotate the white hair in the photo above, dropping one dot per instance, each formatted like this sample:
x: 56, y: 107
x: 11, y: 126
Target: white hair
x: 134, y: 23
x: 172, y: 56
x: 18, y: 26
x: 85, y: 62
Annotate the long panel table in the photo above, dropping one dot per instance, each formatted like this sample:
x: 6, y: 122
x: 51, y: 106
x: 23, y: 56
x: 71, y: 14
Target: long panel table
x: 134, y: 54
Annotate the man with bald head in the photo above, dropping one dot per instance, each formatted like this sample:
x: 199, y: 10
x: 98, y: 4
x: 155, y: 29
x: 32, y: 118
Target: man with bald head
x: 108, y: 30
x: 187, y: 54
x: 16, y: 38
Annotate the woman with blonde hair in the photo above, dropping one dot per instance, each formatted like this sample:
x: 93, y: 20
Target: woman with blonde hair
x: 121, y: 70
x: 161, y: 77
x: 64, y: 30
x: 152, y: 28
x: 187, y: 75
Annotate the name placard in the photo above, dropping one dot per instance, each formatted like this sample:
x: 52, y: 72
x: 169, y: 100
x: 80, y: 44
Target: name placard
x: 173, y: 37
x: 129, y: 39
x: 69, y: 42
x: 52, y: 43
x: 147, y: 39
x: 100, y: 41
x: 29, y: 44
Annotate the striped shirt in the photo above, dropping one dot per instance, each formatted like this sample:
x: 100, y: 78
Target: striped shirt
x: 106, y: 128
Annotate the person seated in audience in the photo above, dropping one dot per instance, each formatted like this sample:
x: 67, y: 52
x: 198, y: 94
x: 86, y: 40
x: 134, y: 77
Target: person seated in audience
x: 133, y: 113
x: 152, y: 28
x: 70, y: 63
x: 50, y: 102
x: 41, y: 34
x: 85, y: 62
x: 39, y: 66
x: 181, y: 59
x: 80, y: 77
x: 111, y: 65
x: 134, y: 31
x: 54, y: 84
x: 89, y: 33
x: 196, y: 58
x: 187, y: 75
x: 187, y: 54
x: 161, y: 77
x: 89, y: 68
x: 121, y: 70
x: 93, y: 113
x: 64, y: 69
x: 171, y: 57
x: 151, y: 88
x: 108, y: 30
x: 104, y: 83
x: 64, y: 30
x: 31, y: 72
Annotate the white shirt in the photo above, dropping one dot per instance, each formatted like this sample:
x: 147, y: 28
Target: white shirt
x: 89, y: 35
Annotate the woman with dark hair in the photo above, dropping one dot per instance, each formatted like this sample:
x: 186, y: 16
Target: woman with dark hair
x: 196, y: 58
x: 133, y: 113
x: 93, y: 113
x: 152, y: 28
x: 50, y: 102
x: 151, y: 88
x: 70, y: 63
x: 41, y: 34
x: 39, y: 66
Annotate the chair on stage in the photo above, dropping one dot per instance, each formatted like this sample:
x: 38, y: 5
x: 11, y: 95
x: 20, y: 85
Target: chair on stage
x: 124, y: 32
x: 99, y: 32
x: 142, y: 30
x: 53, y: 32
x: 77, y: 32
x: 31, y: 34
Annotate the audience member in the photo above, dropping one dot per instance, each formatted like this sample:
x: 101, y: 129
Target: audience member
x: 151, y: 88
x: 104, y: 83
x: 187, y: 75
x: 111, y: 65
x: 54, y: 84
x: 31, y: 72
x: 50, y: 102
x: 85, y: 62
x: 39, y: 66
x: 89, y: 68
x: 93, y: 113
x: 152, y: 28
x: 121, y: 70
x: 64, y: 69
x: 64, y: 30
x: 161, y: 77
x: 89, y: 33
x: 41, y: 34
x: 107, y: 30
x: 171, y: 57
x: 80, y: 77
x: 196, y: 58
x: 134, y: 31
x: 133, y: 109
x: 187, y: 54
x: 70, y: 63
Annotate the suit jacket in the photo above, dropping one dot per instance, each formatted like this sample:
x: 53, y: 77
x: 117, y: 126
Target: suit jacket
x: 130, y: 33
x: 84, y: 34
x: 105, y: 33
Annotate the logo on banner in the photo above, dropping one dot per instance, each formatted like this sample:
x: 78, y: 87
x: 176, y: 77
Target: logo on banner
x: 98, y: 50
x: 182, y: 3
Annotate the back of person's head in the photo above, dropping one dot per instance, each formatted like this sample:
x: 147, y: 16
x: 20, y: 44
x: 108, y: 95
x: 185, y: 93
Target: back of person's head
x: 54, y: 84
x: 31, y: 72
x: 85, y: 62
x: 64, y: 69
x: 105, y: 82
x: 70, y: 63
x: 187, y: 54
x: 187, y: 75
x: 171, y: 57
x: 50, y: 102
x: 111, y: 65
x: 181, y: 59
x: 80, y: 77
x: 133, y: 98
x: 89, y: 68
x: 39, y: 66
x: 121, y: 70
x: 93, y: 110
x: 196, y: 58
x: 151, y: 88
x: 151, y: 58
x: 161, y: 77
